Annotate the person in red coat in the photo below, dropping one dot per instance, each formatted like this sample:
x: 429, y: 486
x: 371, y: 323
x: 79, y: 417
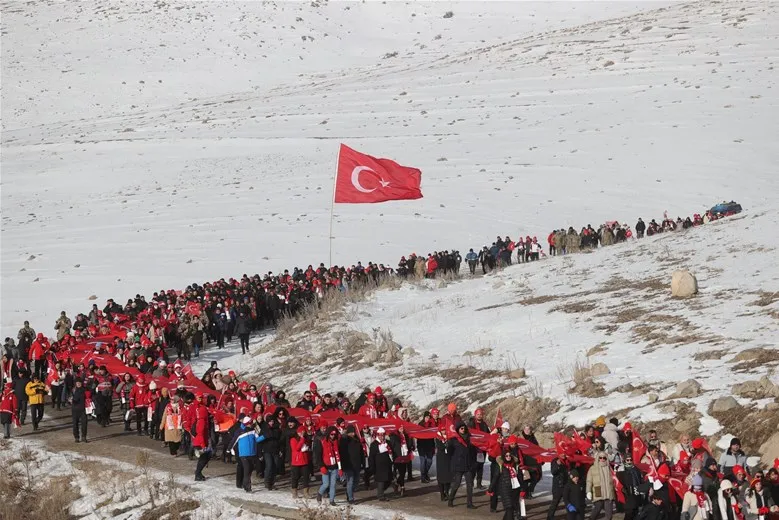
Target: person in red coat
x: 369, y: 408
x: 432, y: 265
x: 301, y: 460
x: 140, y: 396
x: 37, y: 355
x: 8, y: 406
x: 200, y: 438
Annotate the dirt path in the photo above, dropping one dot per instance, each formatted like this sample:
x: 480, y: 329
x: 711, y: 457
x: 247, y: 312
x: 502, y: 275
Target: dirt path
x: 112, y: 442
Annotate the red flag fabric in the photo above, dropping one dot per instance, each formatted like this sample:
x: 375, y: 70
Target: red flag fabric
x: 193, y: 308
x: 498, y: 420
x: 364, y: 179
x: 639, y: 448
x: 618, y: 487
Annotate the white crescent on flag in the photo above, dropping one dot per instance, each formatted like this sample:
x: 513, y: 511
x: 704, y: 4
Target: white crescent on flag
x: 356, y: 179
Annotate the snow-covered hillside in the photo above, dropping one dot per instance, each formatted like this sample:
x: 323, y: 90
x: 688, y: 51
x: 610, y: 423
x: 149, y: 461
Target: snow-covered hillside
x: 152, y: 145
x: 612, y: 306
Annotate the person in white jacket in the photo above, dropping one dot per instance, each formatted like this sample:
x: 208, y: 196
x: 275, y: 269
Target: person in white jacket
x: 729, y: 507
x: 759, y: 501
x: 611, y: 435
x: 696, y: 504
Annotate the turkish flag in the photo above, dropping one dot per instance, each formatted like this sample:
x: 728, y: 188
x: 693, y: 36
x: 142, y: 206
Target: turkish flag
x: 193, y: 308
x: 364, y: 179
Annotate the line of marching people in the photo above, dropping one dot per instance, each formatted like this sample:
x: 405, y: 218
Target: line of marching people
x: 504, y: 251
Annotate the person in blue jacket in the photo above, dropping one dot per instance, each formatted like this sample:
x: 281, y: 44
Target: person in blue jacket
x: 473, y: 260
x: 244, y: 446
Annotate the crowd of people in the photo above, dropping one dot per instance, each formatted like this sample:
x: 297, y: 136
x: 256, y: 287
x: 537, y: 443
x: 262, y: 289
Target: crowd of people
x: 139, y: 365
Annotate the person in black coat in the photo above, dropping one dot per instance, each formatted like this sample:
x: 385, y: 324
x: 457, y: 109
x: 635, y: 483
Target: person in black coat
x: 574, y: 496
x: 654, y: 510
x: 289, y: 432
x: 559, y: 469
x: 477, y: 423
x: 462, y: 456
x: 79, y: 411
x: 380, y: 463
x: 632, y: 482
x: 426, y: 451
x: 509, y: 485
x: 242, y: 330
x: 271, y: 449
x: 443, y: 468
x: 20, y: 385
x: 350, y: 449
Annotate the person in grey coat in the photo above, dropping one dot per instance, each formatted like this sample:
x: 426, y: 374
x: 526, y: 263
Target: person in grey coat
x: 733, y: 456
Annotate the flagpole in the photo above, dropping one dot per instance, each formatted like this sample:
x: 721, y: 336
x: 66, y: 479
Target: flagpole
x: 332, y: 205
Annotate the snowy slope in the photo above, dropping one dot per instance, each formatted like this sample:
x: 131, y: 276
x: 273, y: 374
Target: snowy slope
x: 612, y: 306
x: 515, y: 115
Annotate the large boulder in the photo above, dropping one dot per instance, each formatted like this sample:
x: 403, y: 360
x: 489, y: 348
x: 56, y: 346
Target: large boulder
x: 518, y: 373
x: 688, y: 388
x: 762, y: 389
x: 683, y: 284
x: 391, y: 355
x: 371, y: 356
x: 686, y: 425
x: 723, y: 404
x: 770, y: 450
x: 599, y: 369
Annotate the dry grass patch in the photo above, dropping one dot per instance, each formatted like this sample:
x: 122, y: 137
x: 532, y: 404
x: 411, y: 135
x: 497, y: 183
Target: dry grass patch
x: 597, y: 349
x: 580, y: 376
x: 628, y: 314
x: 766, y: 298
x: 538, y: 300
x: 706, y: 355
x: 752, y: 358
x: 761, y: 424
x: 176, y: 510
x: 607, y: 329
x: 574, y: 307
x: 25, y: 495
x: 618, y: 283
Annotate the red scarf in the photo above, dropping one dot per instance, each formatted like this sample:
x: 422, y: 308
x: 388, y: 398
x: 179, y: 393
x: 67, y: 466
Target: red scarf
x: 701, y: 496
x: 738, y: 514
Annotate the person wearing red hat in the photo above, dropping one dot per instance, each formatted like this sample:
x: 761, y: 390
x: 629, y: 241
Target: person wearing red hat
x: 8, y: 406
x: 759, y: 501
x: 476, y: 423
x: 300, y: 446
x: 201, y: 426
x: 314, y: 393
x: 382, y: 405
